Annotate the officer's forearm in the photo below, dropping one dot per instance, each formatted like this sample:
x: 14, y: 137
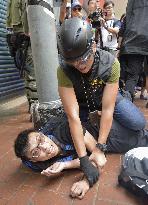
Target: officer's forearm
x: 105, y: 126
x: 77, y: 135
x: 90, y: 142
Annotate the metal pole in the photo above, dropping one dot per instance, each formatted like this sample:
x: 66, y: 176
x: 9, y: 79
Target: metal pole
x: 42, y: 30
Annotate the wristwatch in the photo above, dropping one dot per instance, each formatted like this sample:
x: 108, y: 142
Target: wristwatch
x: 102, y: 147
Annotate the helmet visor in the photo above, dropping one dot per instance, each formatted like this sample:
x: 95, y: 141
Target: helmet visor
x: 81, y: 60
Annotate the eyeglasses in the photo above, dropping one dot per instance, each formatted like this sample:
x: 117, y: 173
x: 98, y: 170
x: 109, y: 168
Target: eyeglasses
x: 40, y: 138
x: 82, y: 60
x: 77, y: 9
x: 108, y: 7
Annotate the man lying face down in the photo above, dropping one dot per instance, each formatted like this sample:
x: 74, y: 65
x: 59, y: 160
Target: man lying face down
x: 51, y: 149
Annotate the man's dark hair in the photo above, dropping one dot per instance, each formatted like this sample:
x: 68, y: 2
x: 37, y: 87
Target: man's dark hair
x: 88, y: 2
x: 108, y: 2
x: 21, y: 143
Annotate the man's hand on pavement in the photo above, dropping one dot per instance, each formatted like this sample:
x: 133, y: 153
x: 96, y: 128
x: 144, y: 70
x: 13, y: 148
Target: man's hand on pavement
x: 54, y: 169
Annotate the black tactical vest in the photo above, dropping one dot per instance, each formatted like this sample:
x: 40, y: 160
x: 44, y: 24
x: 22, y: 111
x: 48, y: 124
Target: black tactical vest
x: 89, y: 87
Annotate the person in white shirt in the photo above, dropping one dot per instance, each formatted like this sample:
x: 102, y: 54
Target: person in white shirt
x: 110, y: 27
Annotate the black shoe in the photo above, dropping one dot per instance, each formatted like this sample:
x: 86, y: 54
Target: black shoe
x: 146, y: 105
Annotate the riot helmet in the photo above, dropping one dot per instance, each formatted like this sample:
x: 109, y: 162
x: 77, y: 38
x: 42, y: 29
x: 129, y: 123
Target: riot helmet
x: 74, y: 38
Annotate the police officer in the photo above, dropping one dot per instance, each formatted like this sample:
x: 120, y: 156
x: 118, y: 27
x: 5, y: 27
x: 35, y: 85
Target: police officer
x: 88, y: 82
x: 17, y: 21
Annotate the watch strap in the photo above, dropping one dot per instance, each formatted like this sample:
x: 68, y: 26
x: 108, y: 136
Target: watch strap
x: 102, y: 147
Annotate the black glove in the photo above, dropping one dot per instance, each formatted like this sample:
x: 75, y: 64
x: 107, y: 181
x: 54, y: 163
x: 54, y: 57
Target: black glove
x: 90, y: 171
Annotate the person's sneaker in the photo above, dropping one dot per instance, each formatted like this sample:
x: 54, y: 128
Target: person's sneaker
x: 142, y: 97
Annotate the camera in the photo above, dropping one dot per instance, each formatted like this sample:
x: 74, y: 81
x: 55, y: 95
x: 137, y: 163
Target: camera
x: 95, y: 18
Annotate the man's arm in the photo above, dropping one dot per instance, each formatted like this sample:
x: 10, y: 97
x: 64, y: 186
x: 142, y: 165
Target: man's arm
x: 80, y: 188
x: 114, y: 30
x: 63, y: 11
x: 58, y: 167
x: 71, y: 108
x: 108, y: 104
x: 90, y: 142
x: 25, y: 21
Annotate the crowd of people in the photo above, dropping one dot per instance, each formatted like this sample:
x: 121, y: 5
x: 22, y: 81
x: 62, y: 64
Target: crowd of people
x: 98, y: 117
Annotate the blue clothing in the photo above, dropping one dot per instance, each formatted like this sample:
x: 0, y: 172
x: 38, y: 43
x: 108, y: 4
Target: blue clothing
x: 128, y: 115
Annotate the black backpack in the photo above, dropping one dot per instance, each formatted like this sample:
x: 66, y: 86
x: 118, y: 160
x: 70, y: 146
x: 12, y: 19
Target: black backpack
x: 134, y: 171
x: 50, y: 112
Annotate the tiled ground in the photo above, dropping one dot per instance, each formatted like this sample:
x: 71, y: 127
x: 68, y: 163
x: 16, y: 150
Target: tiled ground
x: 20, y: 186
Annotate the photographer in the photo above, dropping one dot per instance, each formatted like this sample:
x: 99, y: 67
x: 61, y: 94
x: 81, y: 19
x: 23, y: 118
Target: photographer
x: 68, y: 10
x: 110, y: 28
x: 94, y: 16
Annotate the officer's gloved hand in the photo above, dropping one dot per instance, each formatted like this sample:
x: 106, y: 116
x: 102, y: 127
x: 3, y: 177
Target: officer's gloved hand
x: 90, y: 171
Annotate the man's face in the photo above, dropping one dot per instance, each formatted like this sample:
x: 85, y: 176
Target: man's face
x: 76, y: 11
x: 40, y: 147
x: 83, y: 64
x: 98, y: 3
x: 92, y: 6
x: 109, y: 9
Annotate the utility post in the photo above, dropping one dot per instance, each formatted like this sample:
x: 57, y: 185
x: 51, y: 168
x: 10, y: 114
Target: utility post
x: 42, y: 29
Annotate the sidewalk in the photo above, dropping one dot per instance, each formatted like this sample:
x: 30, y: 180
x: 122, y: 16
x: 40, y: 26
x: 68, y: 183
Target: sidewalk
x: 9, y: 108
x: 20, y: 186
